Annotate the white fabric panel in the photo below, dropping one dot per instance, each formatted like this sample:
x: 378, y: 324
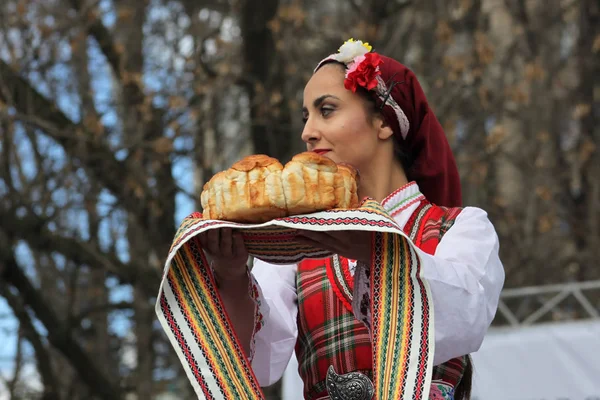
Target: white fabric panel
x: 559, y: 361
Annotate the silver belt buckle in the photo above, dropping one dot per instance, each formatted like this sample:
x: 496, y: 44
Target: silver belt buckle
x: 351, y: 386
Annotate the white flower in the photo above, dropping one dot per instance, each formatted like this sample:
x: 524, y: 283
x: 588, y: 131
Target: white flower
x: 350, y: 50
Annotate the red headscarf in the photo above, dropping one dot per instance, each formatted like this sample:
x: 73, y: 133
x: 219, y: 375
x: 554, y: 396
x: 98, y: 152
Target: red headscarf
x: 434, y: 167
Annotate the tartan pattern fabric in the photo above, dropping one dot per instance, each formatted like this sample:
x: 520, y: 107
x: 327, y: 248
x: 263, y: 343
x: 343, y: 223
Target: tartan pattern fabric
x: 437, y: 223
x: 450, y: 372
x: 323, y: 301
x: 328, y: 333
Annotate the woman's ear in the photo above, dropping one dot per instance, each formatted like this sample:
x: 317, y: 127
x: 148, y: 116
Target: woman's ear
x: 385, y: 131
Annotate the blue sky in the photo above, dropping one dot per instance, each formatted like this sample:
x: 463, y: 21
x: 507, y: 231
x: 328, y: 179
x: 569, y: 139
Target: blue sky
x: 182, y: 171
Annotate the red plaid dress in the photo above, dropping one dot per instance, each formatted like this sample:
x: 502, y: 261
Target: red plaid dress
x: 329, y: 333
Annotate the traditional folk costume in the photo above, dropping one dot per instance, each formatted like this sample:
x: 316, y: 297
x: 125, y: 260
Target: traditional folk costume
x: 425, y: 302
x: 322, y: 307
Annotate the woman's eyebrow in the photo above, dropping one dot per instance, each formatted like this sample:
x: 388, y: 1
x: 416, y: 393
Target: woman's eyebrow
x: 319, y: 100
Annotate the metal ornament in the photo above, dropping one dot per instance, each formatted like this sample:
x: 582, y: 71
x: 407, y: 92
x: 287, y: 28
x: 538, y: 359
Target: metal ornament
x: 351, y: 386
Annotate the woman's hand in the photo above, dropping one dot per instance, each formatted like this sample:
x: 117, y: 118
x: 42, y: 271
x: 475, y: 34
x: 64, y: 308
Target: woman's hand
x: 227, y: 251
x: 355, y: 245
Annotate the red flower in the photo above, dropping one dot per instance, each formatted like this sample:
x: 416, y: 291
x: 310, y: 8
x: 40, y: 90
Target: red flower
x: 365, y: 73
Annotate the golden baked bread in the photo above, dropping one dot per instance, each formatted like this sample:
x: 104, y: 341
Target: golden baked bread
x: 309, y: 181
x: 346, y: 188
x: 258, y: 188
x: 250, y: 191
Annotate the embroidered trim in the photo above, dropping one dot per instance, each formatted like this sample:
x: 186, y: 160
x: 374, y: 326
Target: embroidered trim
x: 259, y: 321
x: 402, y: 198
x: 382, y: 92
x: 390, y: 196
x: 342, y: 282
x: 342, y: 271
x: 411, y: 228
x: 361, y: 302
x: 441, y: 390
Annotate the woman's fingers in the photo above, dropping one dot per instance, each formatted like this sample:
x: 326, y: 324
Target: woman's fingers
x: 223, y: 244
x: 214, y: 242
x: 205, y: 241
x: 238, y: 246
x: 226, y: 242
x: 211, y: 241
x: 226, y: 252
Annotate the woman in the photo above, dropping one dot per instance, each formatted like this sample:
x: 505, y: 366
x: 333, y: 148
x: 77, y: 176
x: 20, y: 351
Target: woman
x: 369, y: 111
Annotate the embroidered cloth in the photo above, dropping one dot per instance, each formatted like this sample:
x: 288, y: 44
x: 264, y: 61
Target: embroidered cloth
x: 190, y: 311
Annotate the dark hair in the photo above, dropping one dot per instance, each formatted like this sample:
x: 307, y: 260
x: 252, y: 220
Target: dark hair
x: 374, y: 110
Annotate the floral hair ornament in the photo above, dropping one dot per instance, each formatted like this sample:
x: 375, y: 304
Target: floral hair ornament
x: 362, y: 65
x: 363, y: 69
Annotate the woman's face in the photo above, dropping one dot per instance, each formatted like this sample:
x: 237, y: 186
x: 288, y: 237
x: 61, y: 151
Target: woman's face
x: 337, y: 123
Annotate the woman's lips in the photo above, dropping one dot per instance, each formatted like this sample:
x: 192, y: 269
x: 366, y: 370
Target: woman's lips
x: 321, y: 151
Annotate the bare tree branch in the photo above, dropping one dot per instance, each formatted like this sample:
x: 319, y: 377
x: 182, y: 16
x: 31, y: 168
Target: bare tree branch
x: 103, y: 37
x: 13, y: 382
x: 78, y: 251
x: 355, y: 6
x: 398, y: 6
x: 58, y: 335
x: 42, y: 355
x: 76, y: 319
x: 98, y: 160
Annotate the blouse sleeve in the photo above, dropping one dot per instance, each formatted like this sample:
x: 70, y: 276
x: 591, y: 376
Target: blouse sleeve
x: 466, y: 277
x: 276, y: 331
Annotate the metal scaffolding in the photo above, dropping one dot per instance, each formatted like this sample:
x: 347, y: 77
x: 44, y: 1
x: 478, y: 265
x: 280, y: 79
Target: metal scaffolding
x: 530, y: 305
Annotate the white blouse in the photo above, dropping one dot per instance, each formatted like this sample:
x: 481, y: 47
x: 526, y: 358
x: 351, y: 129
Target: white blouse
x: 465, y: 276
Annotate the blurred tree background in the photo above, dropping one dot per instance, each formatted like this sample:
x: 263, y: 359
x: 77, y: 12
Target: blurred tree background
x: 113, y: 114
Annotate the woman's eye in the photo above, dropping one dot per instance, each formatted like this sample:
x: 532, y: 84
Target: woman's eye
x: 325, y: 111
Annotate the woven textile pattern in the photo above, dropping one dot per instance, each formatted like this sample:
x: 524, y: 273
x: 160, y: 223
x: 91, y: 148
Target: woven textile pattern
x: 191, y: 313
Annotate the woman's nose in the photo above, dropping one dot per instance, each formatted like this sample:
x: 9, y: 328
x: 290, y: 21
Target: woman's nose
x: 310, y: 133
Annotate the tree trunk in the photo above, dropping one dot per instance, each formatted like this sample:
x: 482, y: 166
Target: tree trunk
x: 587, y: 205
x: 264, y: 78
